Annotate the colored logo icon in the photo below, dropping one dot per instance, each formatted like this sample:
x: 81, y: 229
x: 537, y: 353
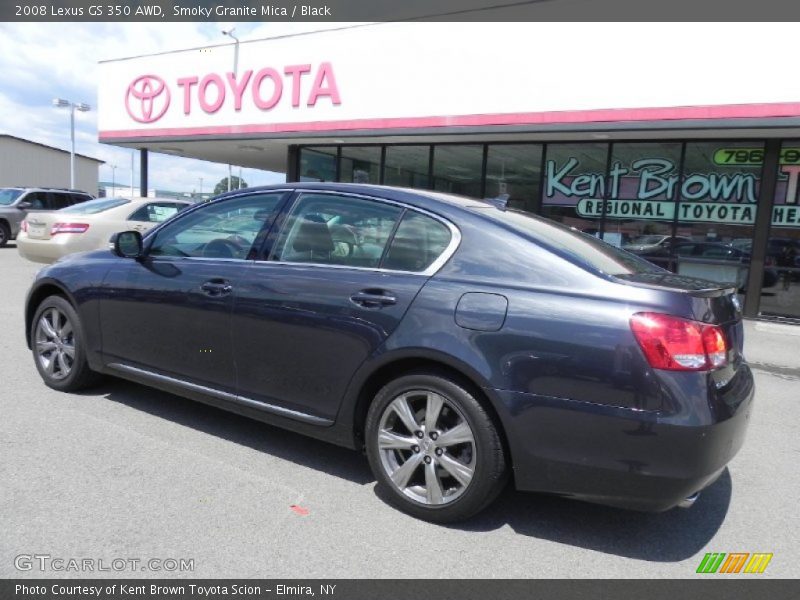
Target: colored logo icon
x: 734, y: 562
x: 147, y: 99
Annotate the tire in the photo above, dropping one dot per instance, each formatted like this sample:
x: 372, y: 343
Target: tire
x: 5, y: 233
x: 450, y: 473
x: 57, y: 327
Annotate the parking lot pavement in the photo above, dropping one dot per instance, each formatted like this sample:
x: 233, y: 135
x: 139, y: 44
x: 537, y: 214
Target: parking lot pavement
x: 124, y: 471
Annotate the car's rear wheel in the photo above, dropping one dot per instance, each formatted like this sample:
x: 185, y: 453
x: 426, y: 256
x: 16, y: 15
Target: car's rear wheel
x: 5, y: 233
x: 433, y: 448
x: 58, y: 346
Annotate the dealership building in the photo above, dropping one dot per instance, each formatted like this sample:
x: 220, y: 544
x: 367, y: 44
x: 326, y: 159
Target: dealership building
x: 675, y: 140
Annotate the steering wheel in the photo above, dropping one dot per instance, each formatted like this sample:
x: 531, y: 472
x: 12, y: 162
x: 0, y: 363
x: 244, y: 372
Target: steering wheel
x: 222, y: 248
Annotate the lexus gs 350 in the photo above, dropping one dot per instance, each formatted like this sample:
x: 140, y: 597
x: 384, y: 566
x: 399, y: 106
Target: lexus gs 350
x: 459, y: 343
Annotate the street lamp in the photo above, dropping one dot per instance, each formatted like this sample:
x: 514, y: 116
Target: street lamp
x: 229, y: 33
x: 113, y: 179
x: 73, y: 106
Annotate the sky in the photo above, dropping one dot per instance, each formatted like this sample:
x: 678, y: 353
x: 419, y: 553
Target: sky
x: 42, y: 61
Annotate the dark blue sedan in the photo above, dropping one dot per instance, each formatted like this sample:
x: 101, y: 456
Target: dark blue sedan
x: 459, y: 343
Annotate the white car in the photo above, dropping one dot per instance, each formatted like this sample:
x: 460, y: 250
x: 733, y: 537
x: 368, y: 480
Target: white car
x: 47, y: 236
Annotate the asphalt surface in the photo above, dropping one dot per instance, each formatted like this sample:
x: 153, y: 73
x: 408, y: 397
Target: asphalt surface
x: 124, y: 471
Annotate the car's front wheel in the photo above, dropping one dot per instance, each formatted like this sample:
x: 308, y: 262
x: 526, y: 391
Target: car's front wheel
x: 58, y: 347
x: 433, y: 448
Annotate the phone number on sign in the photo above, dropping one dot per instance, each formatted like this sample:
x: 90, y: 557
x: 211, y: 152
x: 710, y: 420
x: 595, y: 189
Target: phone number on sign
x: 94, y: 10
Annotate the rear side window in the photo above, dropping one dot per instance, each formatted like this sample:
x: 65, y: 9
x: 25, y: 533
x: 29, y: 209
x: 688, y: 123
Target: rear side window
x: 337, y: 230
x: 59, y: 200
x: 155, y: 212
x: 418, y: 242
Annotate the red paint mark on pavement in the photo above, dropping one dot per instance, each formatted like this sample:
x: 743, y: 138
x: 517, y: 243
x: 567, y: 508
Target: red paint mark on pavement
x: 299, y: 510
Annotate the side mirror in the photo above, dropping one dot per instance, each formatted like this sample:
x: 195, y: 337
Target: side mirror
x: 127, y: 244
x: 24, y: 205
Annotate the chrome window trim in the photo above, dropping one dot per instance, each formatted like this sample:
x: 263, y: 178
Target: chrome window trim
x: 270, y: 408
x: 433, y: 268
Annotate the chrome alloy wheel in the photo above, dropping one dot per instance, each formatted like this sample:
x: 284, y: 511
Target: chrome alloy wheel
x: 426, y: 447
x: 55, y: 343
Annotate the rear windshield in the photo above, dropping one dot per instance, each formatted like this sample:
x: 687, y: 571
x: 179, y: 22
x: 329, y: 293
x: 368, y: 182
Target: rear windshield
x: 581, y: 247
x: 91, y: 207
x: 8, y: 195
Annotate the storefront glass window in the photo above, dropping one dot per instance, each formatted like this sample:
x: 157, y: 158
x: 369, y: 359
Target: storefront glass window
x: 407, y: 166
x: 718, y: 199
x: 574, y: 182
x: 516, y: 170
x: 318, y: 164
x: 640, y: 205
x: 361, y: 164
x: 457, y: 169
x: 782, y: 263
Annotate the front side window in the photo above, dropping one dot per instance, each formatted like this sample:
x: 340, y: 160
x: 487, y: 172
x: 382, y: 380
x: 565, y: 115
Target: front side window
x: 226, y: 229
x: 38, y: 200
x: 339, y: 230
x: 418, y: 242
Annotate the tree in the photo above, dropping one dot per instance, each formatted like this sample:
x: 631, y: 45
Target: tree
x: 222, y: 186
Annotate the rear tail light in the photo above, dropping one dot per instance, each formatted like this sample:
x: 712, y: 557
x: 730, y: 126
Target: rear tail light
x: 68, y: 228
x: 676, y: 344
x: 24, y: 226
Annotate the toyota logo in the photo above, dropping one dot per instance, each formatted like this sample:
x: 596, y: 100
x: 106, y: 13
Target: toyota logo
x: 147, y: 99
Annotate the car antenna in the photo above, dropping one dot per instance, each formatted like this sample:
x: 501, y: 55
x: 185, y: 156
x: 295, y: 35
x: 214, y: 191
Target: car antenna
x: 500, y: 201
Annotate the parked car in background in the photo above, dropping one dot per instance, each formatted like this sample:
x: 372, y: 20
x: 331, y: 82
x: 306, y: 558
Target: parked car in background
x: 709, y: 252
x: 47, y: 236
x: 17, y: 202
x: 649, y: 244
x: 452, y: 339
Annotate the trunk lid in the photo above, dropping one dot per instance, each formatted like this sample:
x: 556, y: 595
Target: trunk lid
x: 41, y: 223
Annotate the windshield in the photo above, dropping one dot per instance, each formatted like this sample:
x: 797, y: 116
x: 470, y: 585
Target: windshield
x: 646, y: 239
x: 582, y: 247
x: 92, y: 207
x: 8, y: 195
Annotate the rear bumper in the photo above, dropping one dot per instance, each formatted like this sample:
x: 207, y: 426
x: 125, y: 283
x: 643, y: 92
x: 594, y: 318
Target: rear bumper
x: 624, y: 457
x: 49, y: 251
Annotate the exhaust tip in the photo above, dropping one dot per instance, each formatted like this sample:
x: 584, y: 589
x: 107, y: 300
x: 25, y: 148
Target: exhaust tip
x: 689, y: 502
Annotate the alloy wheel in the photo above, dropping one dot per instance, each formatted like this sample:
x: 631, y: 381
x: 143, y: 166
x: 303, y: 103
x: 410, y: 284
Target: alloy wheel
x: 55, y: 343
x: 426, y: 446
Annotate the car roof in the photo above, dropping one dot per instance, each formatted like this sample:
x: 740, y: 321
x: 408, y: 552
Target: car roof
x: 412, y: 196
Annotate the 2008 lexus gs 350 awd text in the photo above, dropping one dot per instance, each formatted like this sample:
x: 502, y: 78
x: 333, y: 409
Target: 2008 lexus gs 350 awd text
x: 462, y: 345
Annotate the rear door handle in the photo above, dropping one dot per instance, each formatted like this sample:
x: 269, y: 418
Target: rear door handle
x: 373, y: 298
x: 216, y: 287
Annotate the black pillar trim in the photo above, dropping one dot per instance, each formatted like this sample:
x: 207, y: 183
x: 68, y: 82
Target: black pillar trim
x: 484, y: 162
x: 769, y: 178
x: 292, y: 163
x: 143, y: 172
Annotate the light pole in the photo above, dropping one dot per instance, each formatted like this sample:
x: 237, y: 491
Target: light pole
x: 73, y: 106
x: 229, y: 33
x: 113, y: 179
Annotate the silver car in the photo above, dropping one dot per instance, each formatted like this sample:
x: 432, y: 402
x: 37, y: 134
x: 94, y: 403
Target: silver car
x: 16, y: 202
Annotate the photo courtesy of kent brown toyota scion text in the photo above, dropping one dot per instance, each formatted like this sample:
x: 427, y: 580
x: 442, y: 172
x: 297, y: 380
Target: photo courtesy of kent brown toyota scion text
x: 463, y: 345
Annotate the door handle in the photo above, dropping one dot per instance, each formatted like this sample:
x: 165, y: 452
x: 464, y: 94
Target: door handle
x: 216, y: 287
x: 373, y: 298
